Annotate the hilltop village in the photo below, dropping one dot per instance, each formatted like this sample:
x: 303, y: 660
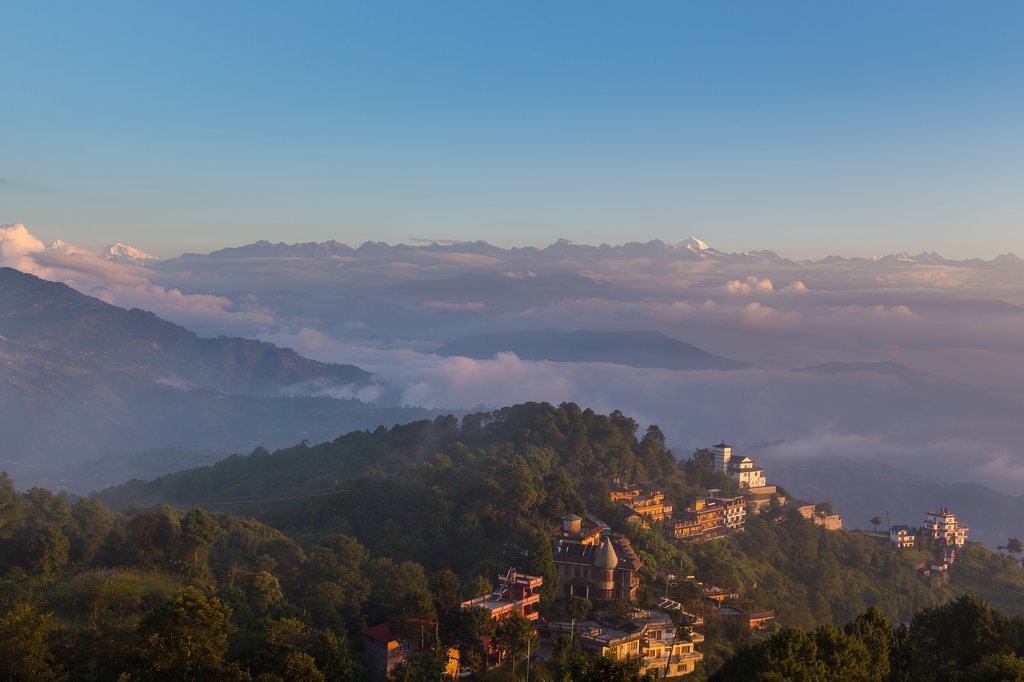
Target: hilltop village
x: 537, y: 541
x: 596, y: 565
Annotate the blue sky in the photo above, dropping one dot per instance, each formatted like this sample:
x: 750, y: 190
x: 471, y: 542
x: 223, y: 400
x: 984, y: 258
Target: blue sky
x: 806, y: 127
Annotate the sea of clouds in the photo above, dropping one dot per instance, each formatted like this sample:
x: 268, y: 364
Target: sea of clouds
x: 947, y: 404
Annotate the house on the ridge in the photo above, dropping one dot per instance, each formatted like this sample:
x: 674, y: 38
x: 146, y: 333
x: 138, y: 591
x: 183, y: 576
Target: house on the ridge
x: 750, y: 477
x: 592, y: 562
x: 741, y: 469
x: 902, y: 537
x: 944, y: 528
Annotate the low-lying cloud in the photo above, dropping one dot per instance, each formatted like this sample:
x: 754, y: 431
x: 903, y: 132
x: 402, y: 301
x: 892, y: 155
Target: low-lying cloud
x: 121, y: 284
x: 386, y: 309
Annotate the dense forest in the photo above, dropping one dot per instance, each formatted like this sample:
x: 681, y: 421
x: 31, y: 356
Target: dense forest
x: 964, y: 640
x: 267, y: 566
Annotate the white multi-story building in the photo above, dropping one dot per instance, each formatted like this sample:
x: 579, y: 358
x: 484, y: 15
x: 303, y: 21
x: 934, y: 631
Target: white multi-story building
x: 742, y: 469
x: 945, y: 529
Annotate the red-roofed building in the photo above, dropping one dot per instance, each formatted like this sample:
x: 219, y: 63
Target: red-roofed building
x: 383, y: 652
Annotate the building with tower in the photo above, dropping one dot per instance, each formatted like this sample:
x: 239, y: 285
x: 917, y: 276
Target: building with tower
x: 592, y: 562
x: 742, y: 469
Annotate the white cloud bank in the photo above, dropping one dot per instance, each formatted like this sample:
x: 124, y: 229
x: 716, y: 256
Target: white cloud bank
x: 121, y: 284
x: 385, y: 310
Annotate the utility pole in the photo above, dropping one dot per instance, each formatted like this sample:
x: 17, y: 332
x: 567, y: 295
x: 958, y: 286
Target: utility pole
x: 528, y: 642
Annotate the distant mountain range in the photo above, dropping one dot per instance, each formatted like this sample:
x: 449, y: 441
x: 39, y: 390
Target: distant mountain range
x: 692, y: 249
x: 636, y: 349
x: 54, y: 317
x: 83, y: 379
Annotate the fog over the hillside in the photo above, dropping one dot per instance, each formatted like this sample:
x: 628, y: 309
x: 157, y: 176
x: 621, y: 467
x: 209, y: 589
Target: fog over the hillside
x: 958, y: 325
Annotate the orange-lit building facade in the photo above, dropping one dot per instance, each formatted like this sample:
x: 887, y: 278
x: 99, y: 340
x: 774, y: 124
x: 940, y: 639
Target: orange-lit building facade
x: 515, y: 593
x: 902, y: 537
x: 708, y: 518
x: 943, y: 527
x: 650, y: 637
x: 644, y: 502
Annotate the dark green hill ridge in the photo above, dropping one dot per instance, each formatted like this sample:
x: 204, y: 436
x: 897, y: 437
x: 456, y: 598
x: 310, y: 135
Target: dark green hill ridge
x: 466, y: 495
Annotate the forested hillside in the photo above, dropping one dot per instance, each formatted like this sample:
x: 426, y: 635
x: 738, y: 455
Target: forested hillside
x: 467, y: 496
x: 963, y: 640
x: 399, y: 526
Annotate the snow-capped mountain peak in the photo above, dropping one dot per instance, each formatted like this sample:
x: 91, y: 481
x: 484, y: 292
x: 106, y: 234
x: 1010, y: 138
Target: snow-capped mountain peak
x: 694, y: 244
x: 123, y: 253
x: 61, y: 246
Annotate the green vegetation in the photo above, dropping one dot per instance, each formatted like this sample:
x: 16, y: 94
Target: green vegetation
x: 401, y: 526
x: 962, y: 640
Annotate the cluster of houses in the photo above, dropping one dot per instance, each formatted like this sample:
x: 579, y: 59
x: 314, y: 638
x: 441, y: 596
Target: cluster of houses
x: 593, y: 562
x: 714, y: 515
x: 941, y: 526
x: 946, y: 533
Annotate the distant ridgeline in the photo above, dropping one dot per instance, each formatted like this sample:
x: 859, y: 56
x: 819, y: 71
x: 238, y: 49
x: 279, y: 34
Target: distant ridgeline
x: 406, y: 526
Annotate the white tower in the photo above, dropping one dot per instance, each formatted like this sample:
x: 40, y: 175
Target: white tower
x: 722, y: 454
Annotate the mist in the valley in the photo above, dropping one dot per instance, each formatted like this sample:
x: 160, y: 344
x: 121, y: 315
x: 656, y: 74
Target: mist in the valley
x: 915, y: 360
